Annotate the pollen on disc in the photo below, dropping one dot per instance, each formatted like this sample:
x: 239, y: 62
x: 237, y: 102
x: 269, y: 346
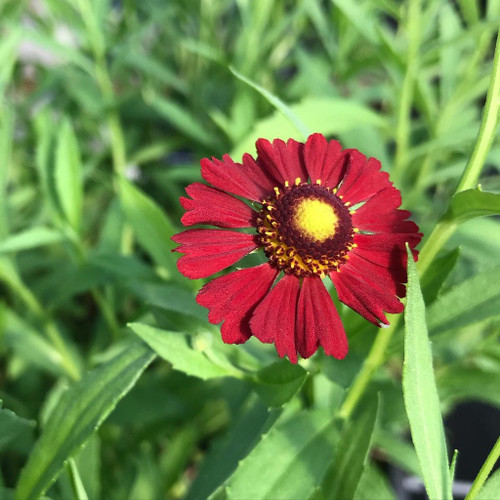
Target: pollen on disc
x: 316, y: 219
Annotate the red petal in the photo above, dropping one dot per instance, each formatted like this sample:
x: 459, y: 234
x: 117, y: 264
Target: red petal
x: 363, y: 297
x: 208, y: 251
x: 283, y: 161
x: 318, y: 321
x: 323, y: 160
x: 362, y: 179
x: 233, y: 297
x: 274, y: 318
x: 387, y: 242
x: 211, y: 206
x: 247, y: 180
x: 387, y: 279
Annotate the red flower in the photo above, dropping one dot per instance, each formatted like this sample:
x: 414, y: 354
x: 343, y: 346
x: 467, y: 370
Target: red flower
x: 316, y: 211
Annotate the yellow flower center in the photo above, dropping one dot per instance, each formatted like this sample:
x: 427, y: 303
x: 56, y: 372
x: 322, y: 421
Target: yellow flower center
x: 316, y: 219
x: 305, y: 229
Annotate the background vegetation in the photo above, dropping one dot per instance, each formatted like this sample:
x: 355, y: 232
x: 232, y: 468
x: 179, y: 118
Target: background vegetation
x: 105, y: 111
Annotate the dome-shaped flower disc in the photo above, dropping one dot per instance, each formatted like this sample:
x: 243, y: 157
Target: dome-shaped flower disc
x: 316, y: 211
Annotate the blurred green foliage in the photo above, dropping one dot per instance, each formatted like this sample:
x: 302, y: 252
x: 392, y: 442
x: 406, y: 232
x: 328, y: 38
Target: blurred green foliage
x: 106, y: 108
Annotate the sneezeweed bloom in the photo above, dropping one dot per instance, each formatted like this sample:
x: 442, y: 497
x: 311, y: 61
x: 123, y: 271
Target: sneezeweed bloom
x: 315, y: 211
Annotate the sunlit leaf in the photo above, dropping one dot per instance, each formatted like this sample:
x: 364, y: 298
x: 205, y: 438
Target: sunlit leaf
x: 326, y: 115
x: 473, y: 203
x: 289, y: 461
x: 175, y: 348
x: 420, y: 393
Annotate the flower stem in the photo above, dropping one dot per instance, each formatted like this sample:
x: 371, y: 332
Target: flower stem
x: 407, y: 90
x: 439, y: 236
x: 485, y: 471
x: 487, y: 130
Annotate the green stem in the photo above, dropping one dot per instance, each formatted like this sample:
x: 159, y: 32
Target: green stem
x: 485, y: 471
x: 437, y: 239
x: 487, y: 130
x: 105, y: 84
x: 407, y: 90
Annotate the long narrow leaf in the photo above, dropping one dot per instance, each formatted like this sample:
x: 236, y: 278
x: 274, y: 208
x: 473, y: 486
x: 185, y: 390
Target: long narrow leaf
x: 79, y: 413
x: 420, y: 394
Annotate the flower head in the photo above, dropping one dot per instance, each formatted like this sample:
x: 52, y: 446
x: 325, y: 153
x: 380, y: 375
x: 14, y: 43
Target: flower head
x: 315, y: 211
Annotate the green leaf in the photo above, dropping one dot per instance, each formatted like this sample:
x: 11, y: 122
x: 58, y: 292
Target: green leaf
x: 12, y: 426
x: 473, y: 300
x: 80, y: 411
x: 359, y: 16
x: 279, y: 382
x: 472, y: 203
x: 151, y: 225
x: 351, y: 453
x: 181, y: 119
x: 170, y: 298
x: 68, y: 175
x: 6, y: 142
x: 326, y: 115
x: 223, y: 457
x: 29, y: 344
x: 399, y: 451
x: 420, y: 393
x: 289, y: 461
x: 374, y: 485
x: 8, y: 55
x: 30, y: 238
x: 277, y: 103
x: 76, y: 481
x: 491, y: 488
x: 175, y: 348
x: 437, y: 273
x: 461, y: 383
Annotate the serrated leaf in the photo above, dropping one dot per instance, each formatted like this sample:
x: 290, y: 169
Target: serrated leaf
x: 174, y: 347
x: 30, y: 238
x: 79, y: 412
x: 151, y: 225
x: 473, y: 300
x: 420, y: 393
x: 342, y: 479
x: 289, y: 461
x: 12, y: 426
x: 472, y: 203
x: 279, y: 382
x: 68, y: 175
